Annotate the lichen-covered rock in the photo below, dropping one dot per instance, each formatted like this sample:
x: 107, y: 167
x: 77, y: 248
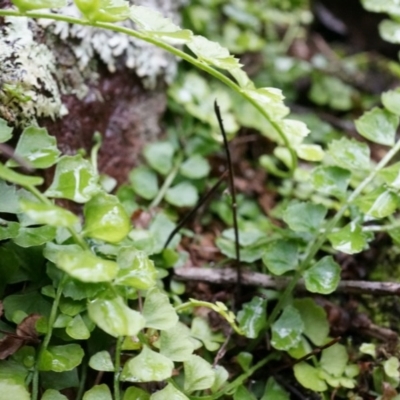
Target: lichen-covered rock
x: 77, y: 80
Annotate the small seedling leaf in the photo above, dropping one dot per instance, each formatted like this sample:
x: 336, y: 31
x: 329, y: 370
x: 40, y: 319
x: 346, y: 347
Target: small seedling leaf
x: 350, y: 240
x: 252, y: 317
x: 61, y: 358
x: 323, y: 277
x: 281, y: 256
x: 350, y: 154
x: 199, y: 374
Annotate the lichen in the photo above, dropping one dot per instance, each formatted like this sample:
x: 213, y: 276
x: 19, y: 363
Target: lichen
x: 148, y: 61
x: 27, y: 71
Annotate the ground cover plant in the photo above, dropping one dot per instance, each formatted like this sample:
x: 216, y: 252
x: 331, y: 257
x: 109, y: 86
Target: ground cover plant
x: 95, y: 305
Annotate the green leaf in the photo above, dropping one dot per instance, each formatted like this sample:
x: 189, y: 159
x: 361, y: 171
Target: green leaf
x: 12, y: 390
x: 391, y: 367
x: 23, y: 180
x: 378, y: 125
x: 104, y: 10
x: 5, y: 131
x: 144, y: 182
x: 247, y: 254
x: 29, y: 5
x: 308, y: 377
x: 136, y: 269
x: 51, y: 394
x: 48, y: 214
x: 176, y: 343
x: 158, y: 311
x: 379, y: 203
x: 350, y: 154
x: 169, y: 392
x: 134, y: 393
x: 221, y: 377
x: 195, y: 167
x: 334, y: 360
x: 274, y: 391
x: 310, y: 152
x: 28, y: 237
x: 391, y: 100
x: 148, y: 366
x: 316, y: 325
x: 115, y: 317
x: 101, y: 361
x: 212, y: 53
x: 9, y: 198
x: 183, y: 194
x: 81, y: 264
x: 323, y: 277
x: 253, y: 318
x: 199, y: 374
x: 202, y: 331
x: 287, y: 329
x: 391, y: 175
x: 98, y: 392
x: 304, y: 217
x: 8, y: 230
x: 281, y: 256
x: 331, y: 180
x: 37, y: 147
x: 159, y: 156
x: 242, y: 393
x: 390, y: 31
x: 75, y: 179
x: 368, y: 348
x: 77, y: 329
x: 106, y: 219
x: 350, y: 240
x: 161, y: 227
x: 245, y: 360
x: 61, y: 358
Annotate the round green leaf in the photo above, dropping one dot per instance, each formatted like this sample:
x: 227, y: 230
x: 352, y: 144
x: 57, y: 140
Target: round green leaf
x: 334, y: 360
x: 308, y: 377
x: 378, y: 125
x: 331, y: 180
x: 391, y: 367
x: 350, y: 239
x: 51, y: 394
x: 75, y: 179
x: 98, y: 392
x: 136, y: 269
x: 310, y: 152
x: 106, y: 219
x: 12, y: 390
x: 169, y: 392
x: 379, y: 203
x: 280, y: 256
x: 144, y: 182
x: 184, y: 194
x: 350, y: 154
x: 391, y: 100
x: 158, y: 311
x: 323, y: 277
x: 304, y: 217
x: 159, y: 156
x: 176, y: 343
x: 148, y: 366
x: 287, y: 329
x: 77, y: 328
x: 115, y: 317
x: 252, y: 318
x: 61, y: 358
x: 101, y: 361
x: 390, y: 31
x: 195, y: 167
x: 199, y: 374
x: 135, y: 393
x: 274, y: 391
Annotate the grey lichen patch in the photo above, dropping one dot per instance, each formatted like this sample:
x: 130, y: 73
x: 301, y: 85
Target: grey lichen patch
x: 28, y: 87
x: 148, y: 61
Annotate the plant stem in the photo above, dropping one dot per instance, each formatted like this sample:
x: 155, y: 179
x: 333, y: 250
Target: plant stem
x: 82, y: 380
x: 171, y: 49
x: 320, y: 239
x: 47, y: 338
x: 117, y: 363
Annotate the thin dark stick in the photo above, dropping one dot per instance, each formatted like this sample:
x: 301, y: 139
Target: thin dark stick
x: 9, y: 152
x: 233, y: 194
x: 193, y: 211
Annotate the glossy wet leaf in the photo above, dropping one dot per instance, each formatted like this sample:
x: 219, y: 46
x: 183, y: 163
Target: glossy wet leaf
x: 253, y: 317
x: 316, y: 325
x: 144, y: 182
x: 104, y: 10
x: 98, y: 392
x: 148, y: 366
x: 183, y: 194
x: 350, y: 240
x: 37, y: 147
x: 83, y: 264
x: 334, y: 359
x: 61, y: 358
x: 169, y: 392
x: 52, y: 394
x: 274, y: 391
x: 308, y: 377
x: 5, y: 131
x: 195, y: 167
x: 378, y: 125
x: 176, y: 343
x: 323, y: 277
x: 101, y: 361
x: 280, y: 256
x: 287, y: 329
x: 349, y: 154
x: 106, y: 218
x: 159, y: 156
x: 115, y: 317
x: 212, y: 53
x: 77, y: 328
x: 135, y: 269
x: 158, y: 311
x: 310, y: 152
x: 331, y: 180
x: 199, y: 374
x: 28, y: 237
x: 48, y: 214
x: 74, y: 179
x: 9, y: 175
x: 391, y: 100
x: 304, y: 216
x: 28, y: 5
x: 379, y: 203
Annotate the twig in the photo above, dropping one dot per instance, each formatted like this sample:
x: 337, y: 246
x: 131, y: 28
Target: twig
x: 9, y: 152
x: 250, y: 278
